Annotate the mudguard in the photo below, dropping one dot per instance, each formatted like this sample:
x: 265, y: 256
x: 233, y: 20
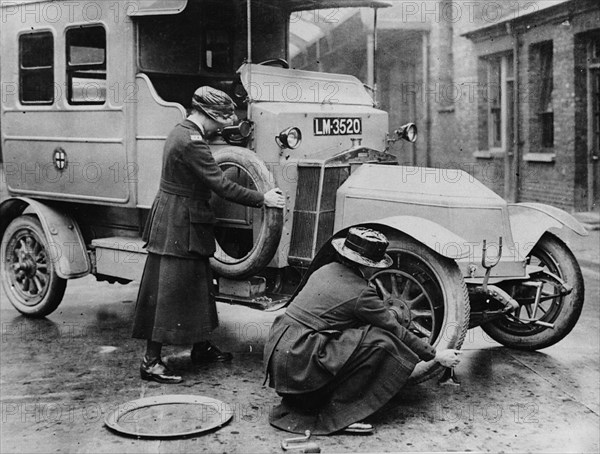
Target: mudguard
x: 430, y: 234
x: 529, y: 221
x: 62, y: 233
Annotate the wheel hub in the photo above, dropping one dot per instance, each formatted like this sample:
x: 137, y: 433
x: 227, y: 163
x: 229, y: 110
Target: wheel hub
x: 409, y: 294
x: 401, y: 310
x: 26, y: 267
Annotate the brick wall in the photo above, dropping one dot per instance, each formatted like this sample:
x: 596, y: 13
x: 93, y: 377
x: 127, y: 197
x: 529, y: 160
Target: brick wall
x: 581, y: 122
x: 458, y: 113
x: 460, y: 128
x: 548, y: 182
x: 400, y: 89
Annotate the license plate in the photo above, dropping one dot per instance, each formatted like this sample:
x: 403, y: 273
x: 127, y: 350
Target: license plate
x: 337, y: 126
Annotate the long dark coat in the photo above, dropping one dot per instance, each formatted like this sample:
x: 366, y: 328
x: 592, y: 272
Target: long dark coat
x: 181, y: 220
x: 176, y: 300
x: 337, y: 354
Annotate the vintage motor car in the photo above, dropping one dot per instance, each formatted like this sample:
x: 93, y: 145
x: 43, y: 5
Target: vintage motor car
x: 90, y: 92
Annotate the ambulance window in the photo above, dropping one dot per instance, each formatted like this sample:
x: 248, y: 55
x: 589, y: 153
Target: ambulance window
x: 86, y: 65
x: 170, y: 44
x: 36, y: 69
x: 219, y: 34
x: 198, y: 41
x: 218, y: 55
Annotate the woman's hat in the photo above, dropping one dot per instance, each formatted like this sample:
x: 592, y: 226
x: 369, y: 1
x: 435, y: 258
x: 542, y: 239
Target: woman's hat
x: 365, y: 247
x: 216, y: 104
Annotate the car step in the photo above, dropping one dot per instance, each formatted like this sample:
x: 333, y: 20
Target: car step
x: 119, y: 256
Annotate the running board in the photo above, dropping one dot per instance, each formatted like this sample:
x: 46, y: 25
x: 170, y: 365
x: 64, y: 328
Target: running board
x: 250, y: 292
x: 119, y: 257
x: 268, y: 302
x: 124, y: 258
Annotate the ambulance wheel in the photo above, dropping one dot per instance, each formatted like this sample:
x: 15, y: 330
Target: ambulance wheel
x: 516, y: 330
x: 28, y: 273
x: 429, y: 296
x: 246, y: 238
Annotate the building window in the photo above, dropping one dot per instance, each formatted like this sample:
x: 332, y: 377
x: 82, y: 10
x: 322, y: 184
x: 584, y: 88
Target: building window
x: 495, y: 102
x: 36, y: 68
x: 499, y: 94
x: 86, y: 65
x: 545, y: 83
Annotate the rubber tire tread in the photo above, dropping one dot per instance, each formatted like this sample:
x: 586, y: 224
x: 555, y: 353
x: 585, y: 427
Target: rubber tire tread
x: 432, y: 369
x: 58, y: 285
x: 495, y: 331
x: 271, y: 230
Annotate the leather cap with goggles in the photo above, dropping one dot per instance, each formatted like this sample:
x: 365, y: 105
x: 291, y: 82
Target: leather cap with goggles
x: 216, y: 104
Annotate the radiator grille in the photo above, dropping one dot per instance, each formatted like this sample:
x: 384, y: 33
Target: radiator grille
x: 314, y: 211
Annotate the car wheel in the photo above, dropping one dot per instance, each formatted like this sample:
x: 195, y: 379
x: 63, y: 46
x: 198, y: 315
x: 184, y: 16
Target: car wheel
x: 429, y: 294
x: 516, y: 330
x: 28, y: 273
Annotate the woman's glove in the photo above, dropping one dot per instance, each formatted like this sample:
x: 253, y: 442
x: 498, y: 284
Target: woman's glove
x: 448, y: 358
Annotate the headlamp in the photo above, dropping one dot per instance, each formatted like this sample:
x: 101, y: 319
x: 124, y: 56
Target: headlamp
x: 289, y: 138
x: 407, y: 132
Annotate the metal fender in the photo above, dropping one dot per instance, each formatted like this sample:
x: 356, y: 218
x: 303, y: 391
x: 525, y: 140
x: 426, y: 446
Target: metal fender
x: 431, y: 234
x: 62, y: 233
x: 529, y: 221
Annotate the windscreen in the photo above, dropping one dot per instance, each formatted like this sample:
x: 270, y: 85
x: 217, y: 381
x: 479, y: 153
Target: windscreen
x: 330, y: 40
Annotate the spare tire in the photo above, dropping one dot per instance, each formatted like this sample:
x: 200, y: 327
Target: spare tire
x: 246, y: 238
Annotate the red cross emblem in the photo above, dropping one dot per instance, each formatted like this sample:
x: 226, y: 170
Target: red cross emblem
x: 60, y: 158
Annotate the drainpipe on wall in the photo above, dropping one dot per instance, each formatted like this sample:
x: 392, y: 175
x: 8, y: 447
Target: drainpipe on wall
x: 375, y: 50
x: 371, y: 62
x: 516, y: 158
x: 249, y: 51
x: 446, y: 59
x: 426, y: 47
x: 372, y: 57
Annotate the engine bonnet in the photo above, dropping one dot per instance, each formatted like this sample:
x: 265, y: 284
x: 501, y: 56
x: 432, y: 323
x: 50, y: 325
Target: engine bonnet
x: 449, y: 197
x: 271, y: 84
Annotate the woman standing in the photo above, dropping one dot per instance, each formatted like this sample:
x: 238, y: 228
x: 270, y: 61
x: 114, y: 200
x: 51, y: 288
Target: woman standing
x: 175, y: 303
